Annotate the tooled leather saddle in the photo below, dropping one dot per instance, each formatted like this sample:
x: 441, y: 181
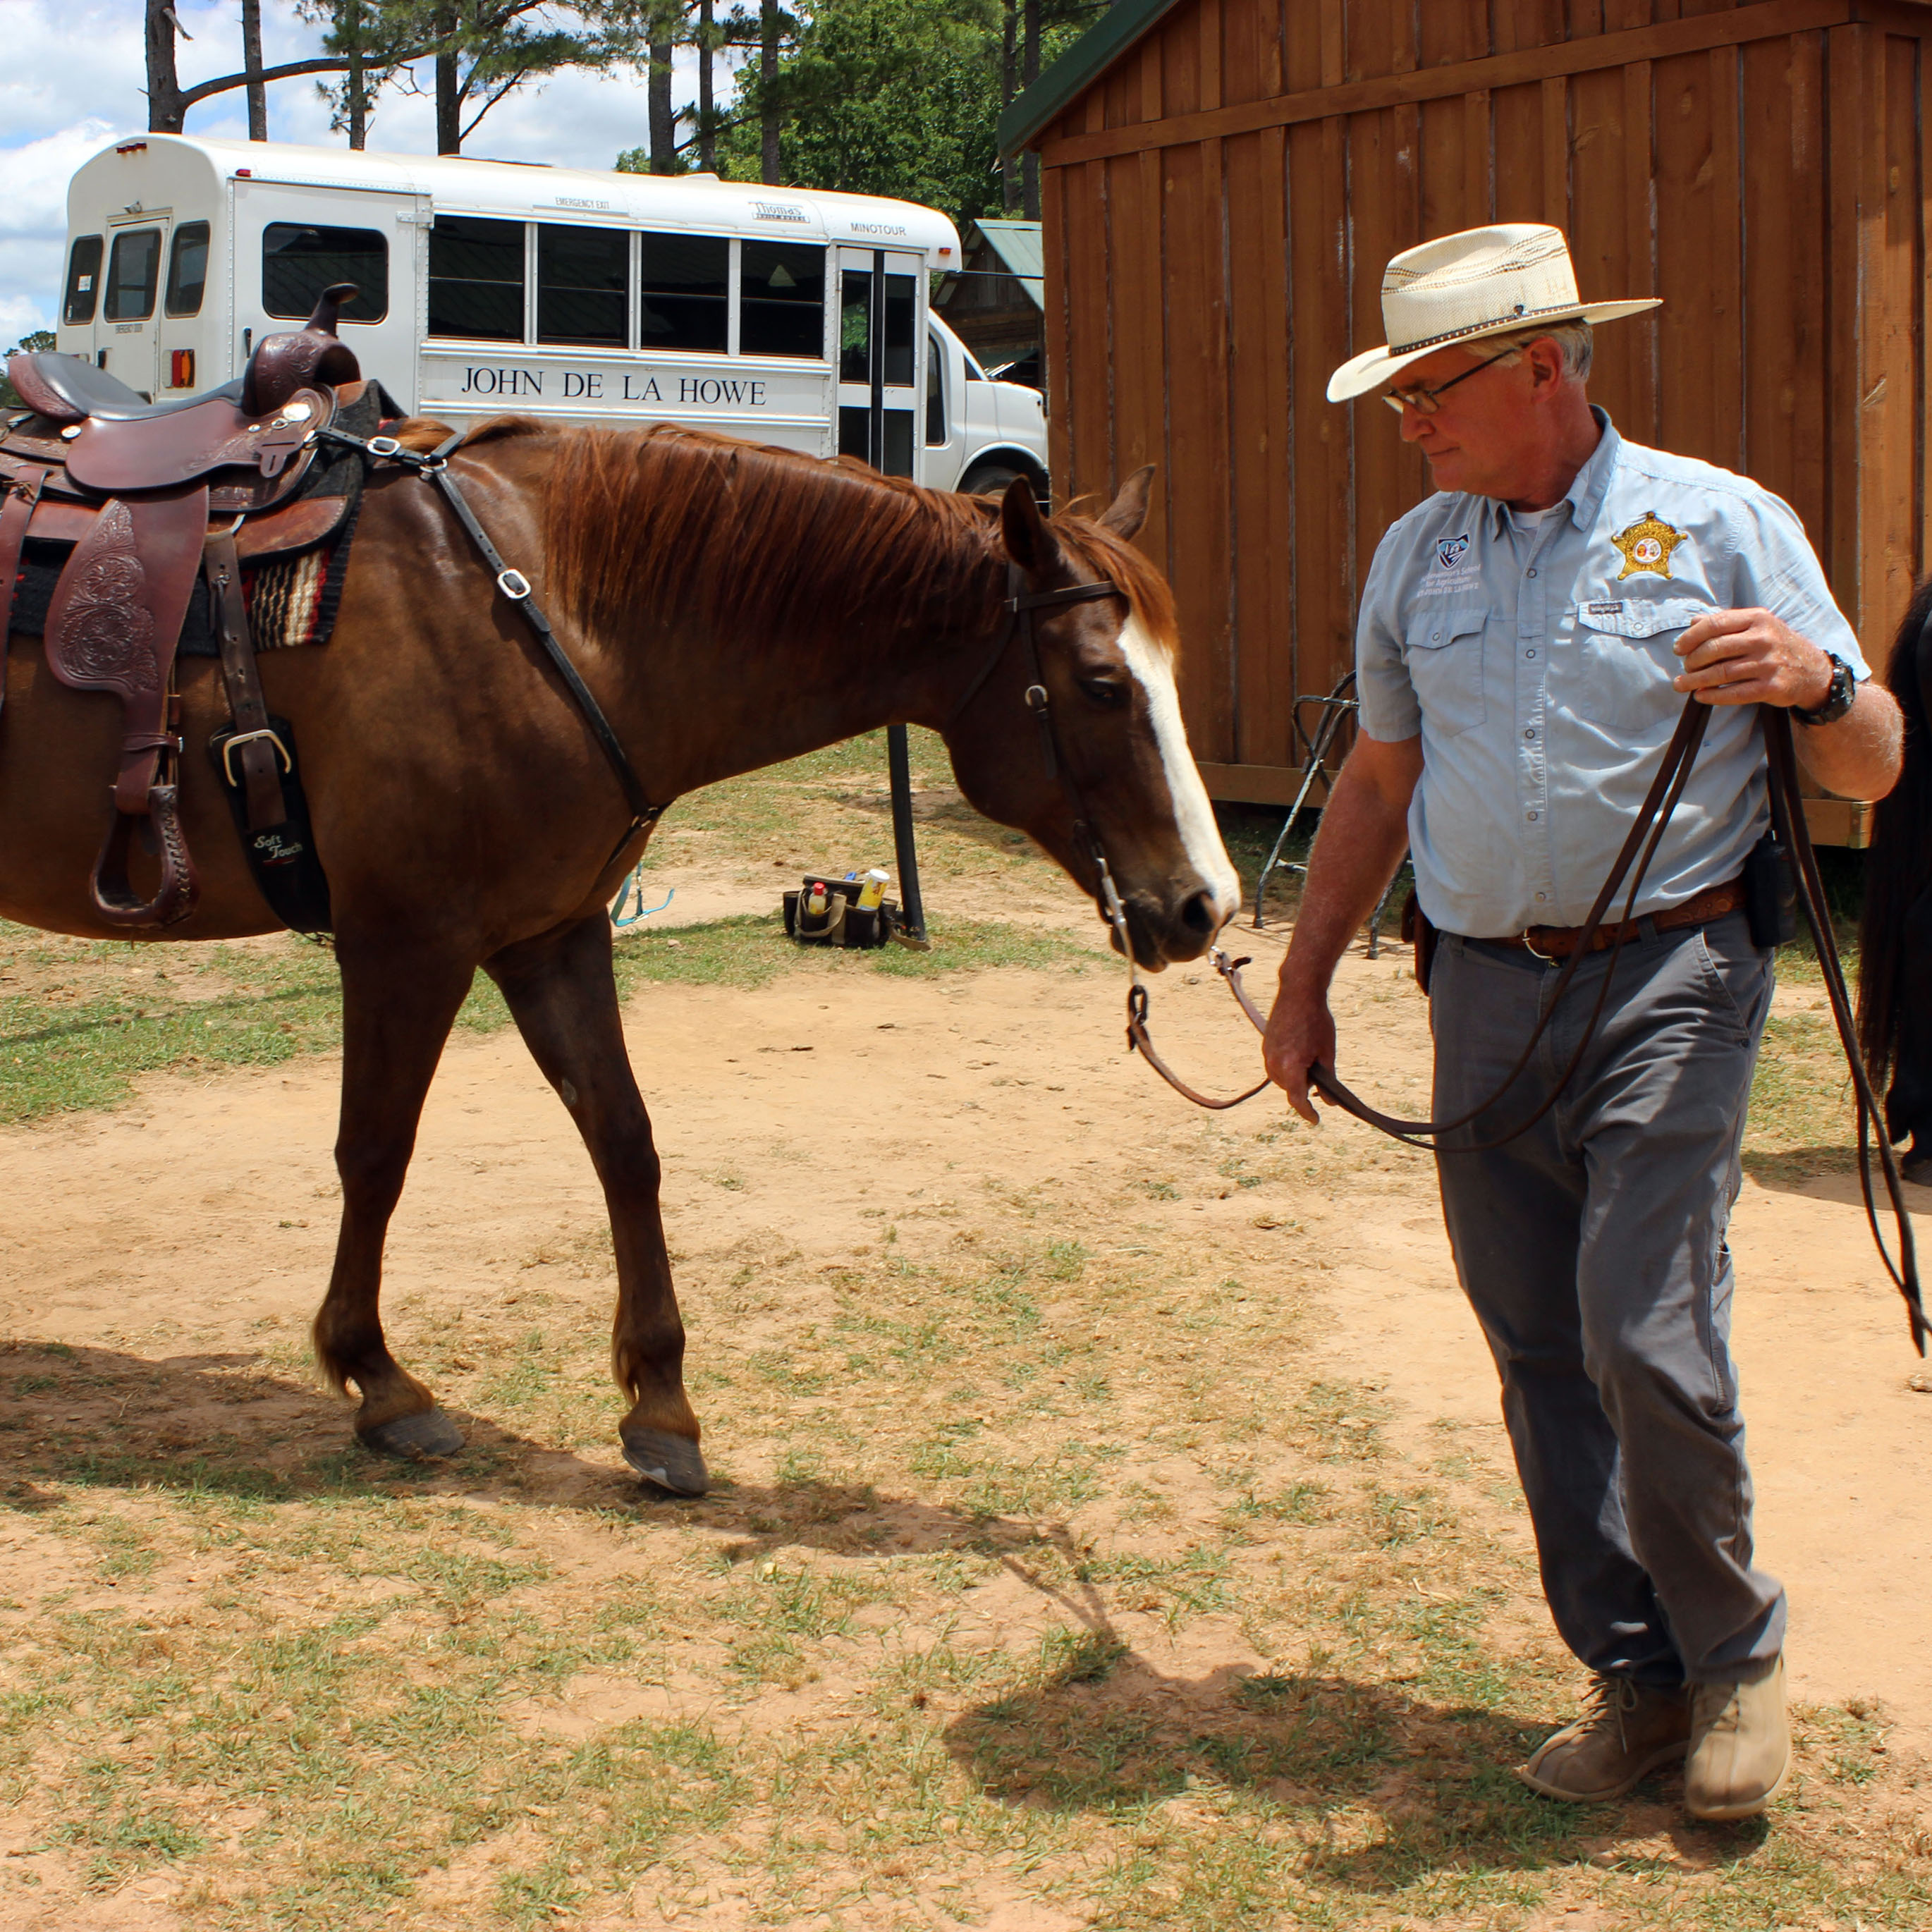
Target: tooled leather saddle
x: 152, y: 496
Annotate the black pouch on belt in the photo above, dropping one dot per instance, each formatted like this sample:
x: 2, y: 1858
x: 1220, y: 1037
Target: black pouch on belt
x: 1416, y: 931
x: 1770, y: 894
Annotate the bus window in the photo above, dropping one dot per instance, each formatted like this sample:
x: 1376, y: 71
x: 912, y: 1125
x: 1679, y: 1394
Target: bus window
x: 476, y: 278
x: 188, y: 268
x: 299, y: 261
x: 685, y: 281
x: 781, y: 299
x: 901, y: 307
x: 935, y: 390
x: 855, y: 327
x: 83, y: 279
x: 132, y: 270
x: 582, y: 274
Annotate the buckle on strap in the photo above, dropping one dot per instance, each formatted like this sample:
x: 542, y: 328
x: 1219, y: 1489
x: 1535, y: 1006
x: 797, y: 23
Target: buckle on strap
x: 514, y: 584
x: 228, y: 750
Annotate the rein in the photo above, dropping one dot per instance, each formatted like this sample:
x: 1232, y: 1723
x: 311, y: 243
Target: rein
x: 1633, y: 861
x: 434, y: 468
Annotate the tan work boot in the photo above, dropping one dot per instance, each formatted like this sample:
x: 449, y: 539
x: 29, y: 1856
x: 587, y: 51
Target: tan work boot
x: 1740, y: 1747
x: 1627, y: 1730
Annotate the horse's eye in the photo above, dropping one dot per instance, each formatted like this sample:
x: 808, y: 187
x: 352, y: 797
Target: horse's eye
x: 1105, y: 691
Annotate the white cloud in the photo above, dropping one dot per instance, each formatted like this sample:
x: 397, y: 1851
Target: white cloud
x: 76, y: 79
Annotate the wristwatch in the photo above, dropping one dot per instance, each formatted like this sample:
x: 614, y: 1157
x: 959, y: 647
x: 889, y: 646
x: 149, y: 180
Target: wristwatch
x: 1837, y: 699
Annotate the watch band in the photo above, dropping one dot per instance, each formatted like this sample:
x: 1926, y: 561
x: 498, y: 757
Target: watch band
x: 1838, y: 699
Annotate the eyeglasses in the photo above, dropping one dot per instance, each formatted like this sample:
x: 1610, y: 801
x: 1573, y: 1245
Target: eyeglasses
x: 1427, y: 401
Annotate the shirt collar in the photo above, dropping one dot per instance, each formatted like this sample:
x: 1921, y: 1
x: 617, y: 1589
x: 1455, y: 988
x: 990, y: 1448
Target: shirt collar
x: 1588, y: 488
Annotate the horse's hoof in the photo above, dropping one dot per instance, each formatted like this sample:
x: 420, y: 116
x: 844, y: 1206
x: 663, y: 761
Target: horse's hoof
x: 428, y: 1433
x: 671, y: 1462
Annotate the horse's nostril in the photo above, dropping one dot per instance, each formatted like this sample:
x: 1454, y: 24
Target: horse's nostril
x: 1198, y: 914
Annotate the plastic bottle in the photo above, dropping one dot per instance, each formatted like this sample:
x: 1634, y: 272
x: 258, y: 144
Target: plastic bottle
x: 815, y: 899
x: 873, y: 890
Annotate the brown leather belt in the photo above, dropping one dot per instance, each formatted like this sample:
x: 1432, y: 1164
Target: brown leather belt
x: 1558, y: 942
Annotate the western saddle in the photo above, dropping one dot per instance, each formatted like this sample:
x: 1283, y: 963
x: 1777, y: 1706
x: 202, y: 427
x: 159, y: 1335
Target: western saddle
x: 150, y: 495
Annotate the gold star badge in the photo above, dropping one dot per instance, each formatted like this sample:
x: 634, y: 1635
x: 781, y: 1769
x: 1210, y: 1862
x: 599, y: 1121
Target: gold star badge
x: 1647, y: 545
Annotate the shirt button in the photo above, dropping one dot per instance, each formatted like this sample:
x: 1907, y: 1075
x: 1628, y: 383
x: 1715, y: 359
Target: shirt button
x: 1531, y: 816
x: 1530, y: 573
x: 1541, y: 897
x: 1435, y: 637
x: 1530, y: 733
x: 1529, y: 654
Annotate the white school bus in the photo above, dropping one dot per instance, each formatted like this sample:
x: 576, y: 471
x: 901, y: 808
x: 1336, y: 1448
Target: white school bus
x: 787, y: 316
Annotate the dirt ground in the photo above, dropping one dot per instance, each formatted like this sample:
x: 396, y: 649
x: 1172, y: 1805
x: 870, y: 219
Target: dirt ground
x: 814, y: 1131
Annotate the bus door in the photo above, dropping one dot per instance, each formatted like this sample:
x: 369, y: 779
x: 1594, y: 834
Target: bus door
x: 880, y: 307
x: 130, y: 287
x: 290, y: 243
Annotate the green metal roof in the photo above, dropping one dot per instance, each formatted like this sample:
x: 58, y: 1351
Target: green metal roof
x: 1116, y: 30
x: 1020, y: 251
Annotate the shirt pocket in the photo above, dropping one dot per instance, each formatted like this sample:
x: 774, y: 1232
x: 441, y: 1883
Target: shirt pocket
x: 1627, y: 660
x: 1444, y: 655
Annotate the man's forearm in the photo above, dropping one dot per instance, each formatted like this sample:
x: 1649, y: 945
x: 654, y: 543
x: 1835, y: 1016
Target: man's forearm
x: 1364, y: 833
x: 1857, y: 756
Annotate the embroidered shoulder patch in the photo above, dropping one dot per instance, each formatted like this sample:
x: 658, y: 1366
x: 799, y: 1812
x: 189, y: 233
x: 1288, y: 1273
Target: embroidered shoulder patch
x: 1646, y: 545
x: 1451, y: 551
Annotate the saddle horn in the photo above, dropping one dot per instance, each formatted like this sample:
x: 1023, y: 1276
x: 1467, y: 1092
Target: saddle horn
x: 301, y: 358
x: 328, y: 307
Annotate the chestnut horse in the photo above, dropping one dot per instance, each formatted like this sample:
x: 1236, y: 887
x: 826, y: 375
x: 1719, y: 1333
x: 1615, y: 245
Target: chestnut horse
x: 729, y: 606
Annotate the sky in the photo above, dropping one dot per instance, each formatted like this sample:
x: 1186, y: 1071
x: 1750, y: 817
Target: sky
x: 74, y: 80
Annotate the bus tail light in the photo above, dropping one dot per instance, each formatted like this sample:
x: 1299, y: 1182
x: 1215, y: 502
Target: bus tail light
x: 180, y: 368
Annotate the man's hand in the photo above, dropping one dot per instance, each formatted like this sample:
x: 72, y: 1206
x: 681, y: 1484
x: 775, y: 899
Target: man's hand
x: 1300, y: 1031
x: 1750, y: 657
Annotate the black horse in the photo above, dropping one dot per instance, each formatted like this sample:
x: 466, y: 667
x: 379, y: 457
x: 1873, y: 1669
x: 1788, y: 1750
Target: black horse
x: 1895, y: 935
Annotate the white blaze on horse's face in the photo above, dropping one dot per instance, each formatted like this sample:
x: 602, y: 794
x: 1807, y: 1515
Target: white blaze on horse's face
x: 1153, y: 667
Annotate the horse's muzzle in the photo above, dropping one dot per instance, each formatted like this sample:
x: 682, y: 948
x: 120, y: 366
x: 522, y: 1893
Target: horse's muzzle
x: 1171, y: 932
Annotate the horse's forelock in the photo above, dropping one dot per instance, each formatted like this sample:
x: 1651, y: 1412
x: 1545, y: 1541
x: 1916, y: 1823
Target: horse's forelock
x: 1104, y: 554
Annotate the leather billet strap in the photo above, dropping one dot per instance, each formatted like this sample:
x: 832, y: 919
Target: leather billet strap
x: 434, y: 468
x: 255, y: 747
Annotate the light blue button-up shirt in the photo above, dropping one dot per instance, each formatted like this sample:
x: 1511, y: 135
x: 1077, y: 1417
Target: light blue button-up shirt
x: 1535, y: 660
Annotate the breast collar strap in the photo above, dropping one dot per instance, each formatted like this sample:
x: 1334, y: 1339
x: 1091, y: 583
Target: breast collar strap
x: 434, y: 468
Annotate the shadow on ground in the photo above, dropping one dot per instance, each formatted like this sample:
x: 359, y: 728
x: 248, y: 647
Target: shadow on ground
x: 227, y: 1425
x: 1111, y: 1730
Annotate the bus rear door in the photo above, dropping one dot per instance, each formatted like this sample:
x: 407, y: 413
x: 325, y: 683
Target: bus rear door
x: 124, y: 319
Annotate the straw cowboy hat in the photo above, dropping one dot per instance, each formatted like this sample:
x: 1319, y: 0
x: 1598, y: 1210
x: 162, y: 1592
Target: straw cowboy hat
x: 1485, y: 281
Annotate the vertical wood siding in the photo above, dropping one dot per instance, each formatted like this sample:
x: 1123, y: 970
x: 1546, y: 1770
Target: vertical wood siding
x: 1772, y: 189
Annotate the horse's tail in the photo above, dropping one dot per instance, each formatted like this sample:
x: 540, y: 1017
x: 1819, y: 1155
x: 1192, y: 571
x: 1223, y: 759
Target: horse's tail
x: 1898, y: 867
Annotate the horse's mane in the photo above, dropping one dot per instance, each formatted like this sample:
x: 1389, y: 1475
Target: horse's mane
x: 739, y: 538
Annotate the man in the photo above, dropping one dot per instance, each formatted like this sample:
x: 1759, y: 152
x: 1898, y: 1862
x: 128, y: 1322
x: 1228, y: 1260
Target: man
x: 1525, y: 639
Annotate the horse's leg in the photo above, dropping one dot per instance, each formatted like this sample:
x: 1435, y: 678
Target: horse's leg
x: 560, y: 989
x: 397, y: 1007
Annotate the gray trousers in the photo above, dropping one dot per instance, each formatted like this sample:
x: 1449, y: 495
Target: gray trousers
x: 1593, y: 1251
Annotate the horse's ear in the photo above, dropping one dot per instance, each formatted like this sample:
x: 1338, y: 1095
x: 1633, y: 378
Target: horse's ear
x: 1029, y: 542
x: 1128, y: 511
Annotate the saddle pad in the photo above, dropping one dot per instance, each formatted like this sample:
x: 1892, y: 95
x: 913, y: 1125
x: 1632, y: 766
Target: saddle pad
x: 292, y: 597
x: 292, y: 600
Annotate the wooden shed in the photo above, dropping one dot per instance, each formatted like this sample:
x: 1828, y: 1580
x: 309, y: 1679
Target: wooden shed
x: 1223, y: 181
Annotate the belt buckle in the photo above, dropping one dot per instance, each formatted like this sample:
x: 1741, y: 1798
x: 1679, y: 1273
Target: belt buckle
x: 1530, y: 947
